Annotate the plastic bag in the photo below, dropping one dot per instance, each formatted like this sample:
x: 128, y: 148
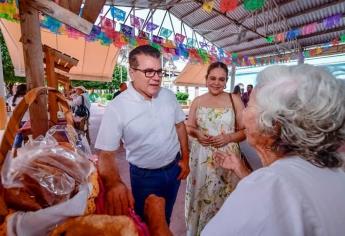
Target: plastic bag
x: 46, y: 171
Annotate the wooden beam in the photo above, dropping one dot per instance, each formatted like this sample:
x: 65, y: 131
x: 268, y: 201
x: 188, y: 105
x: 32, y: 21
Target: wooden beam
x: 74, y: 6
x: 51, y: 82
x: 203, y: 21
x: 61, y: 56
x: 65, y: 16
x: 64, y: 3
x: 91, y: 9
x: 33, y: 57
x: 60, y: 67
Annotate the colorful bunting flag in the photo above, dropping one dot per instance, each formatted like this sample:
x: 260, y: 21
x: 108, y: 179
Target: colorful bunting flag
x: 156, y: 39
x: 179, y: 38
x: 107, y: 24
x: 96, y: 30
x: 292, y: 34
x: 136, y: 22
x: 151, y: 26
x: 190, y: 42
x: 253, y: 5
x: 309, y: 29
x: 203, y: 45
x: 51, y: 24
x: 127, y: 30
x: 169, y: 44
x: 228, y: 5
x: 144, y: 35
x: 280, y: 37
x: 332, y: 21
x: 342, y: 38
x: 117, y: 13
x: 270, y: 39
x: 208, y: 6
x: 166, y: 33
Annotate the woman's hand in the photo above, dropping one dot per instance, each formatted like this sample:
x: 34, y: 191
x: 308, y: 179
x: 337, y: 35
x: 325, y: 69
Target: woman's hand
x: 220, y: 140
x: 231, y: 162
x: 202, y: 138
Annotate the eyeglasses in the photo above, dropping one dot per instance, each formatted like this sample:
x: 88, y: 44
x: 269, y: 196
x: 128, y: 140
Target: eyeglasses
x: 150, y: 73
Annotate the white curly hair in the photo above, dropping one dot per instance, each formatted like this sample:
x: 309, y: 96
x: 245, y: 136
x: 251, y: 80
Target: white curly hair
x: 307, y: 105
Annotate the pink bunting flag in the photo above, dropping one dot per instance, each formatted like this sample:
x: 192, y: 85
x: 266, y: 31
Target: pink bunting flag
x: 179, y: 38
x: 309, y: 29
x: 107, y: 24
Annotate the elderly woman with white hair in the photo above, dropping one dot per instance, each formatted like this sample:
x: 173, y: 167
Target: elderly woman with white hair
x: 295, y: 120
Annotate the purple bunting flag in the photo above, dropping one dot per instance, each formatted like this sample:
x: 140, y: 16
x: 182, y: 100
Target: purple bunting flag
x: 136, y: 22
x: 157, y: 39
x: 127, y: 30
x: 203, y: 44
x: 151, y: 26
x: 332, y: 21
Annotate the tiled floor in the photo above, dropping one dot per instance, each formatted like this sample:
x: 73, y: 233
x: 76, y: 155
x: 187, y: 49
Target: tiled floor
x: 177, y: 223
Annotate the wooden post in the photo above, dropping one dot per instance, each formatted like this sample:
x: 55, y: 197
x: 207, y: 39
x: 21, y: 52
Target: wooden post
x: 196, y: 92
x: 33, y: 58
x: 51, y: 82
x: 232, y: 79
x: 301, y: 56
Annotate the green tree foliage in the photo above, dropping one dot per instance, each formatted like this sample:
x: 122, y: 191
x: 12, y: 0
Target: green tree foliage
x: 8, y: 68
x: 182, y: 96
x: 111, y: 86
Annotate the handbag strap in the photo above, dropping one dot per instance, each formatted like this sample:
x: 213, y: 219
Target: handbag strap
x: 234, y: 108
x: 243, y: 157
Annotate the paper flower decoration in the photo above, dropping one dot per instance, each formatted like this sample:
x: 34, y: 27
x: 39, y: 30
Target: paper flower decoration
x: 253, y: 5
x: 228, y: 5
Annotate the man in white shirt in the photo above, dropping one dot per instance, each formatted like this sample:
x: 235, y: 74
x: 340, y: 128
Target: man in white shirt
x: 150, y: 122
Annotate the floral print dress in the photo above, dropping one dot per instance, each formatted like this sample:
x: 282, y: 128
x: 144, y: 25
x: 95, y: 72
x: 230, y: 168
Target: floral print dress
x: 207, y: 185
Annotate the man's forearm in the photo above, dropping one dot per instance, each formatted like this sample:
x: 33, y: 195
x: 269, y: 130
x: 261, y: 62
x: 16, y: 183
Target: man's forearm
x: 183, y: 139
x: 107, y: 168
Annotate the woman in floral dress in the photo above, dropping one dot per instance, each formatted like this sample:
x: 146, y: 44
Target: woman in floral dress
x: 211, y: 127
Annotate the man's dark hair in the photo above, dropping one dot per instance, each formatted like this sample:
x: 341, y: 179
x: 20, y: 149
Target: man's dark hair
x: 144, y: 49
x: 250, y: 85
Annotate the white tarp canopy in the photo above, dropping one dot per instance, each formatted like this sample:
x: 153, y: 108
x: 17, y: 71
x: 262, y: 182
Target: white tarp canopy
x: 96, y: 61
x: 193, y: 75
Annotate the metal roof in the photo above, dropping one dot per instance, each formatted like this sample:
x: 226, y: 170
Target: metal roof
x: 245, y: 32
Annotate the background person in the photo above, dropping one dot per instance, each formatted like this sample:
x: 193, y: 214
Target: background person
x: 80, y: 97
x: 13, y: 101
x: 246, y: 95
x: 295, y: 119
x: 123, y: 87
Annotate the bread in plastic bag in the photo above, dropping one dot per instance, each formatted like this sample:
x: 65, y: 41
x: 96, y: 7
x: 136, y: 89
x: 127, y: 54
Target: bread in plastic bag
x: 45, y: 173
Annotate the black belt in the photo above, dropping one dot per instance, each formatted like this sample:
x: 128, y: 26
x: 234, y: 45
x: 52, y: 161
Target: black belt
x: 168, y: 166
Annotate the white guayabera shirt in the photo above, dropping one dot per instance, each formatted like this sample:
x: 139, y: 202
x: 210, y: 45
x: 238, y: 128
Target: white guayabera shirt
x: 147, y: 127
